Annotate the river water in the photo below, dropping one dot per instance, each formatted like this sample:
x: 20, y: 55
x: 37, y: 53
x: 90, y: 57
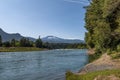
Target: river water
x: 41, y: 65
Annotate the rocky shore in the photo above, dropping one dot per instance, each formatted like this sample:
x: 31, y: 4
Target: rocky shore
x: 105, y: 62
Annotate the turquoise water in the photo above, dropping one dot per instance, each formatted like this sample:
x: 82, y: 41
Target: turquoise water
x: 40, y: 65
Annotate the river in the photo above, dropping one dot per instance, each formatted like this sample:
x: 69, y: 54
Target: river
x: 41, y: 65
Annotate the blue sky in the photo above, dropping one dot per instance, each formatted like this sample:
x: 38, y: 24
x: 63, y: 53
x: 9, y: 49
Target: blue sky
x: 61, y: 18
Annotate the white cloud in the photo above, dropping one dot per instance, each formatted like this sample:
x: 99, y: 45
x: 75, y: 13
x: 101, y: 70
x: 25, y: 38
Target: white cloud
x: 83, y: 2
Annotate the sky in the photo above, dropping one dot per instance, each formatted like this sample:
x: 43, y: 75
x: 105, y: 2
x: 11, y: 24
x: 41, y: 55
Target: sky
x: 61, y: 18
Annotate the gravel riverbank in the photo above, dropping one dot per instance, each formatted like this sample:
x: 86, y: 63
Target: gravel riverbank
x: 103, y: 63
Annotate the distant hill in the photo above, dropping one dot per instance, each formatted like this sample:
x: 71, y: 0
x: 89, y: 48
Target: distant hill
x: 53, y: 39
x: 8, y: 37
x: 50, y: 39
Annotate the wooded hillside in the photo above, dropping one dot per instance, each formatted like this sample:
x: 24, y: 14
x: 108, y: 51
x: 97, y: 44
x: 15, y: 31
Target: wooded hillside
x: 103, y: 25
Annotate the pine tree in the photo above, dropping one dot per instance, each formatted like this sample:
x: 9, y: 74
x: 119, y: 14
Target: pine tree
x: 13, y: 42
x: 38, y: 43
x: 0, y: 40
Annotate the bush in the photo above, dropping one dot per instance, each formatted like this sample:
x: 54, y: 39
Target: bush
x: 69, y: 76
x: 94, y: 57
x: 118, y: 48
x: 6, y: 44
x: 109, y: 51
x: 115, y: 56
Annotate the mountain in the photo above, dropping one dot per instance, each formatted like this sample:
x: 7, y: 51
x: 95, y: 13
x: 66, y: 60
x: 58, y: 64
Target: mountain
x: 50, y: 39
x: 53, y: 39
x: 8, y: 37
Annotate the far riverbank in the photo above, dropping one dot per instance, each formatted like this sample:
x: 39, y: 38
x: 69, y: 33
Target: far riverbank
x: 20, y: 49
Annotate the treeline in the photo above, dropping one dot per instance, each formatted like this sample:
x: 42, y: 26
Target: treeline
x: 103, y: 25
x: 25, y: 42
x: 64, y: 46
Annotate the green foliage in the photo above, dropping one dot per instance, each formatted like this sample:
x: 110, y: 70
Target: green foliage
x: 110, y: 6
x: 17, y: 43
x: 69, y: 74
x: 109, y: 51
x: 6, y: 44
x: 92, y: 75
x: 103, y: 25
x: 115, y: 56
x: 118, y: 48
x: 94, y: 57
x: 13, y: 42
x: 0, y: 41
x: 24, y: 42
x: 64, y: 46
x: 89, y: 40
x: 38, y: 43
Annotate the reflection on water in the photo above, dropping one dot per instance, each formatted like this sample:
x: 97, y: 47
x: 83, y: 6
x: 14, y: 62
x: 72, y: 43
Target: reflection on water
x: 40, y: 65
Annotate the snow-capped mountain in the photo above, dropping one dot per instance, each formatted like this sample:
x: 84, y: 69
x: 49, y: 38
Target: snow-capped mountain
x: 54, y: 39
x: 50, y: 39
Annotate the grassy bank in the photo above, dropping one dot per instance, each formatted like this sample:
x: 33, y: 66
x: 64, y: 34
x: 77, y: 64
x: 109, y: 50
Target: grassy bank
x: 92, y: 75
x: 19, y: 49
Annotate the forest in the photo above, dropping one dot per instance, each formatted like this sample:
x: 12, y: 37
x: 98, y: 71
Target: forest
x: 103, y: 25
x: 103, y: 37
x: 25, y: 42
